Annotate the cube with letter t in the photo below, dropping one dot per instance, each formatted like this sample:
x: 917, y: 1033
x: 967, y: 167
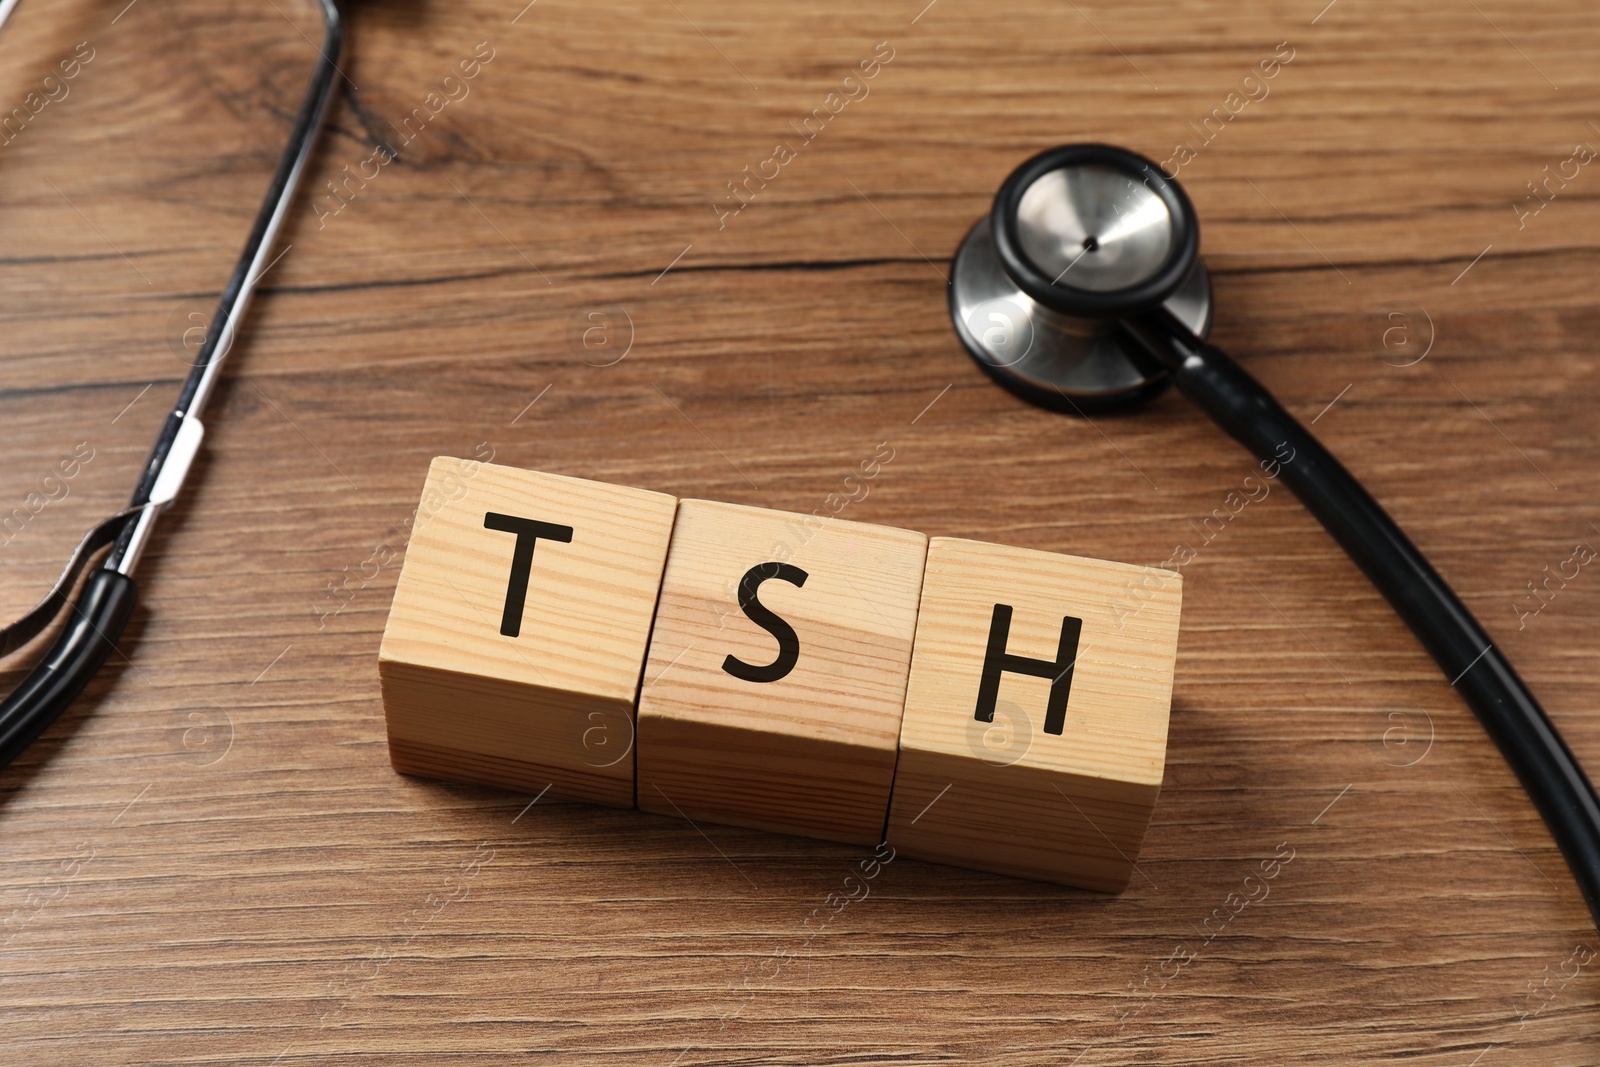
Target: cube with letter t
x: 1035, y: 726
x: 519, y: 627
x: 777, y: 671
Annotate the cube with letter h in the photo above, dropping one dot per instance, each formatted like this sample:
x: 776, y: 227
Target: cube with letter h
x: 1034, y: 736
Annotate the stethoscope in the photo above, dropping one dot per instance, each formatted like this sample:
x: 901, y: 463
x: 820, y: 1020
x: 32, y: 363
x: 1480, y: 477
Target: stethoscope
x: 108, y: 592
x: 1082, y: 291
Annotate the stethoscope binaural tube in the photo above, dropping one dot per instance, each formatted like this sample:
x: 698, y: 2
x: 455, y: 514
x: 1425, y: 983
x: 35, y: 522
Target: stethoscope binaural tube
x: 1139, y: 322
x: 109, y: 593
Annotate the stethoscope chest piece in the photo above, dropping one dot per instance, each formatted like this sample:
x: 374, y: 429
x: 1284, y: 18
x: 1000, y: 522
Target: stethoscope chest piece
x: 1079, y: 236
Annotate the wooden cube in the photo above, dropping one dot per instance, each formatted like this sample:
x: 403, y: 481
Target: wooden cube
x: 1034, y: 735
x: 777, y: 672
x: 519, y: 627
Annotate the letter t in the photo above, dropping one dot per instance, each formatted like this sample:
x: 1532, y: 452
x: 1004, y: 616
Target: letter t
x: 528, y: 532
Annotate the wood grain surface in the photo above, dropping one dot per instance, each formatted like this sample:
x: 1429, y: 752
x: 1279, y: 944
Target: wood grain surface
x: 210, y: 861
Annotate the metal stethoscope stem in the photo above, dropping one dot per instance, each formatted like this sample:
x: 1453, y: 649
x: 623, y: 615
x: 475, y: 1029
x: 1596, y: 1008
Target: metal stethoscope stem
x: 1086, y: 331
x: 181, y: 436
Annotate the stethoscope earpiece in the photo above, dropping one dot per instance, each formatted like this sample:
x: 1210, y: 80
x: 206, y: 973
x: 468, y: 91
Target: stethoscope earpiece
x: 1079, y: 236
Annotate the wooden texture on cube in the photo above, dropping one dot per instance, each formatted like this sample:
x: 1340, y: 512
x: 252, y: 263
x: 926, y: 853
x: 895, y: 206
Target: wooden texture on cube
x: 553, y: 705
x: 1005, y: 795
x: 813, y: 752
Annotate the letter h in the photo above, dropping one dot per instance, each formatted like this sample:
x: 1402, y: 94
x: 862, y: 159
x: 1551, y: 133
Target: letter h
x: 996, y: 660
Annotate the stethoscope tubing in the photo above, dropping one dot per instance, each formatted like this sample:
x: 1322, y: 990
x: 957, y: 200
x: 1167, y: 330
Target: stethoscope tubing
x: 108, y: 595
x: 1249, y: 413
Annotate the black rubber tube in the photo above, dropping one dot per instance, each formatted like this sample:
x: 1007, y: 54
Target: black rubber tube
x: 98, y: 616
x: 1530, y: 743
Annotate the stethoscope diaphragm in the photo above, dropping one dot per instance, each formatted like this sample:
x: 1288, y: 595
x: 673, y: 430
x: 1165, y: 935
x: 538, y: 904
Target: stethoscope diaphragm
x: 1078, y: 236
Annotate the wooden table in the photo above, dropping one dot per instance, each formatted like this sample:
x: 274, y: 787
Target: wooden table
x: 210, y: 860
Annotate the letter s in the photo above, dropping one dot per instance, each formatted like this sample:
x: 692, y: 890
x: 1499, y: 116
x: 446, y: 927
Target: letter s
x: 762, y: 616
